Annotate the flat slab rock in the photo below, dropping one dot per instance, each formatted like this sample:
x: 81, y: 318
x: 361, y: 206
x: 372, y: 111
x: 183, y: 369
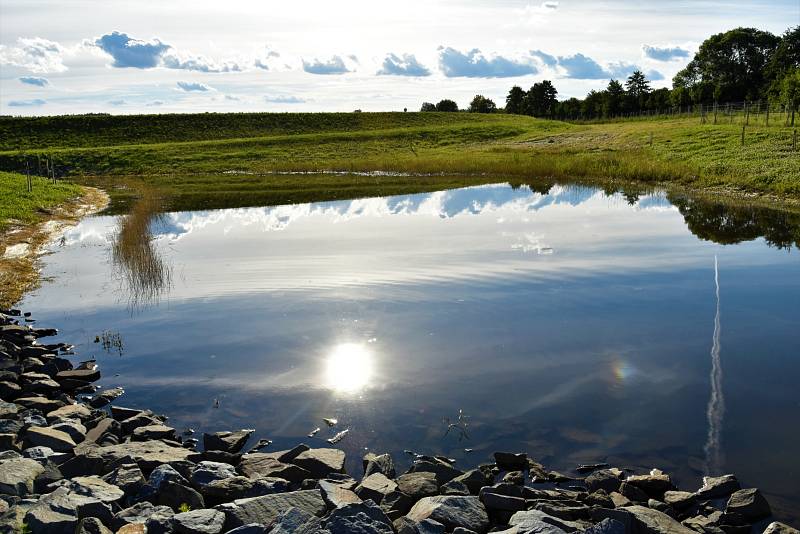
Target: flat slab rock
x: 148, y: 454
x: 205, y: 521
x: 266, y: 509
x: 18, y: 474
x: 321, y: 462
x: 452, y: 511
x: 651, y: 521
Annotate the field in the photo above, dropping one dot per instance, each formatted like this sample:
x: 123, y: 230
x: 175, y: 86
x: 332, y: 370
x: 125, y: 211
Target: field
x: 220, y: 160
x: 19, y: 206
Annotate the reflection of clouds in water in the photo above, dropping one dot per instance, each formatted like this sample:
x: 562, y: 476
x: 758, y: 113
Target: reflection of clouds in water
x: 716, y: 404
x: 441, y: 204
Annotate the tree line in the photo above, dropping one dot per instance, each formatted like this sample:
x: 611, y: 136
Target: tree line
x: 740, y: 65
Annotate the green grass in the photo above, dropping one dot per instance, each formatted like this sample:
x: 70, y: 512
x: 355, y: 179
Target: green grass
x: 17, y: 205
x: 218, y: 160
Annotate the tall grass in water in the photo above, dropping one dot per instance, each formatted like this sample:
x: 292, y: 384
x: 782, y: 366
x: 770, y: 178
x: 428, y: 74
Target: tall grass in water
x: 143, y: 272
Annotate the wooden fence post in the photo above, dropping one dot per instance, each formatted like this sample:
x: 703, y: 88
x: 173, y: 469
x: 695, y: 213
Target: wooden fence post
x: 743, y: 127
x: 794, y: 140
x: 28, y: 176
x: 767, y: 112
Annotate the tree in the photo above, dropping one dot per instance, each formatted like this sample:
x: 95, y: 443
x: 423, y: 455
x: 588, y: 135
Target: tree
x: 638, y: 88
x: 427, y: 106
x: 790, y: 91
x: 514, y: 100
x: 481, y: 104
x: 613, y: 103
x: 541, y: 99
x: 785, y: 58
x: 734, y: 61
x: 446, y: 105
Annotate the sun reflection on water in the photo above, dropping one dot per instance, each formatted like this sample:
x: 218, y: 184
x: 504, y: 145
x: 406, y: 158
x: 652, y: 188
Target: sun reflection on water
x: 349, y: 368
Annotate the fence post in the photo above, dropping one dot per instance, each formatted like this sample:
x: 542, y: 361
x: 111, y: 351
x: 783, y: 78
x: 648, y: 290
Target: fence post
x: 746, y: 114
x: 767, y: 112
x: 743, y: 127
x: 794, y: 140
x: 28, y: 176
x: 651, y: 138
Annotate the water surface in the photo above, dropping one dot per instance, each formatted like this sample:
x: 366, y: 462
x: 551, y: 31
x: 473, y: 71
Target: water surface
x: 577, y: 325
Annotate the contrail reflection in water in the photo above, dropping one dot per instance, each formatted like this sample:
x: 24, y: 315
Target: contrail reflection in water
x: 716, y: 404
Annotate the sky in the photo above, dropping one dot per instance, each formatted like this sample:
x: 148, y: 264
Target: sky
x: 146, y: 56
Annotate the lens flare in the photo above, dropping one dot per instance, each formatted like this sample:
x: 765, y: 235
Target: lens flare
x: 348, y: 368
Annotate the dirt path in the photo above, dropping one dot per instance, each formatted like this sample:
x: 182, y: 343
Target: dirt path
x: 21, y: 247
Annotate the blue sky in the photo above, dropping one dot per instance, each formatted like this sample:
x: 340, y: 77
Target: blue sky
x: 151, y: 56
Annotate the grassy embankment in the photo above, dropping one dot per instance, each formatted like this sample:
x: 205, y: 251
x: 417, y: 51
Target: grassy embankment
x: 216, y: 160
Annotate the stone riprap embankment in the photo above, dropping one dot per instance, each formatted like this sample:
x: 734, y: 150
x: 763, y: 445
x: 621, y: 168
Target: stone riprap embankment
x: 72, y: 461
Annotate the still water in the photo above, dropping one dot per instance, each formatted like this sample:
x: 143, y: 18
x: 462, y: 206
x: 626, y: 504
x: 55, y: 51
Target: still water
x: 577, y: 325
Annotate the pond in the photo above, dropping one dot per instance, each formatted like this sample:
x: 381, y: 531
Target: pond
x: 573, y: 323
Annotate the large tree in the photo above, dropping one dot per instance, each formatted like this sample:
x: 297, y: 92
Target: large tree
x: 785, y: 58
x: 514, y: 100
x: 614, y: 101
x: 733, y: 63
x: 638, y: 88
x: 446, y: 105
x: 541, y: 99
x: 427, y: 106
x: 481, y: 104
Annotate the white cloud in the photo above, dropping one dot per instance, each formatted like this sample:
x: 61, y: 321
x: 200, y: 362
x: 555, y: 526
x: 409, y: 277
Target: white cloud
x: 193, y: 87
x: 34, y: 54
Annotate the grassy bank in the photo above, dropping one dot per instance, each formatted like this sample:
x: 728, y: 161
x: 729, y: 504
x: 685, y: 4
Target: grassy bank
x: 20, y: 207
x: 234, y: 154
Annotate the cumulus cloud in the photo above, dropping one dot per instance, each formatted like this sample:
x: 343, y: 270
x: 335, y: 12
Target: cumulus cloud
x: 546, y: 59
x: 34, y: 54
x: 155, y: 103
x: 664, y: 54
x: 474, y: 64
x: 33, y: 80
x: 26, y: 103
x: 582, y: 67
x: 117, y: 102
x: 284, y: 99
x: 131, y: 53
x: 407, y: 65
x: 193, y: 86
x: 173, y: 60
x: 335, y: 65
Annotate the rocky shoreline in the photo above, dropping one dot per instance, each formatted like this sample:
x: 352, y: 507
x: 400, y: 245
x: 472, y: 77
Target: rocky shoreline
x: 73, y: 461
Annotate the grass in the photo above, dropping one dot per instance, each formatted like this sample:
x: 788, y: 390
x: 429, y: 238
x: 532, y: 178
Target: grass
x: 18, y: 206
x: 222, y: 160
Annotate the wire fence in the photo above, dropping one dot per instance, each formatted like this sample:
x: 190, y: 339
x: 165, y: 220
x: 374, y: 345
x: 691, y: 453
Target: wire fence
x: 758, y: 113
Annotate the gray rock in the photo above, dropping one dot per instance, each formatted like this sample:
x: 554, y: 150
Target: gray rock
x: 127, y: 477
x: 149, y: 432
x: 17, y: 475
x: 375, y: 487
x: 92, y: 525
x: 649, y: 521
x: 252, y: 528
x: 261, y: 465
x: 717, y: 487
x: 70, y: 411
x: 267, y: 508
x: 358, y: 518
x: 405, y: 525
x: 138, y: 513
x: 291, y: 454
x: 321, y: 462
x: 147, y: 454
x: 509, y: 461
x: 750, y: 504
x: 418, y: 485
x: 680, y: 500
x: 654, y: 485
x: 60, y: 510
x: 396, y: 504
x: 240, y: 487
x: 296, y: 521
x: 106, y: 397
x: 603, y: 479
x: 534, y: 522
x: 335, y: 495
x: 494, y: 500
x: 200, y: 521
x: 606, y: 526
x: 452, y: 512
x: 379, y: 463
x: 474, y: 479
x: 207, y: 472
x: 633, y: 493
x: 444, y: 471
x: 569, y: 510
x: 176, y: 495
x: 48, y: 437
x: 777, y: 527
x: 454, y: 487
x: 38, y: 453
x: 160, y: 521
x: 231, y: 442
x: 96, y: 488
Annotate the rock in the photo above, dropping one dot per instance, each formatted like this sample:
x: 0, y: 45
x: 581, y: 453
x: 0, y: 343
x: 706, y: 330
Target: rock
x: 603, y: 479
x: 127, y: 477
x: 9, y: 390
x: 649, y: 521
x: 452, y: 512
x: 55, y: 439
x: 702, y: 523
x: 654, y: 485
x: 10, y: 408
x: 231, y: 442
x: 418, y: 485
x: 633, y: 493
x: 680, y: 500
x: 296, y: 521
x: 749, y: 503
x: 534, y: 522
x: 717, y: 487
x: 266, y: 509
x: 321, y: 462
x: 102, y: 427
x: 106, y: 397
x: 86, y: 375
x: 514, y: 477
x: 60, y: 510
x: 207, y: 472
x: 606, y: 526
x: 358, y: 518
x: 150, y: 432
x: 474, y: 479
x: 200, y: 521
x: 139, y: 513
x: 120, y: 413
x: 160, y: 521
x: 137, y: 421
x: 147, y: 454
x: 240, y: 487
x: 396, y: 504
x: 508, y: 461
x: 568, y: 510
x: 444, y: 471
x: 619, y: 499
x: 291, y: 454
x: 17, y: 475
x: 134, y: 528
x: 73, y: 428
x: 260, y: 465
x: 375, y: 487
x: 335, y: 495
x: 780, y: 528
x: 252, y: 528
x: 176, y: 495
x: 96, y: 488
x: 92, y: 525
x: 454, y: 488
x: 379, y: 463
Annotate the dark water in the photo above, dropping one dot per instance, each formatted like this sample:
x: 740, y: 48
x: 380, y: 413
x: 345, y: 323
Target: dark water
x: 573, y: 324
